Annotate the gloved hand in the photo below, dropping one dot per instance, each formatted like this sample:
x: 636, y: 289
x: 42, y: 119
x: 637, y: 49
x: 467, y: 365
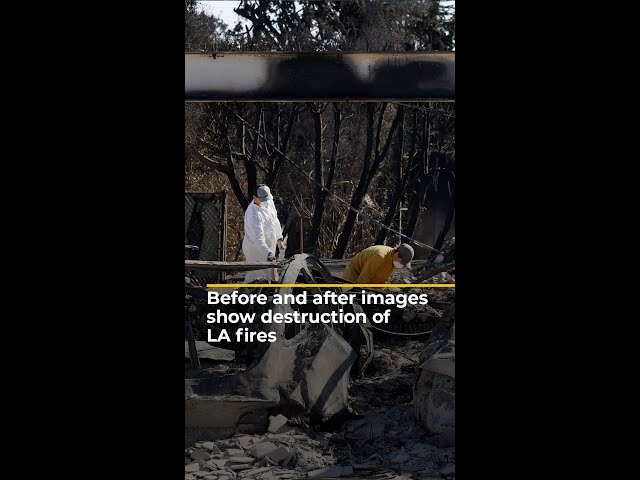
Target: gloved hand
x: 271, y: 258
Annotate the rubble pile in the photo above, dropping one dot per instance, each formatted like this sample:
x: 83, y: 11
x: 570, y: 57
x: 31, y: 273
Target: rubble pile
x: 284, y: 452
x: 437, y: 269
x: 434, y: 393
x: 394, y: 356
x: 445, y: 259
x: 447, y: 252
x: 393, y: 421
x: 390, y: 440
x: 388, y: 436
x: 408, y: 276
x: 421, y: 317
x: 441, y: 298
x: 381, y: 441
x: 380, y: 445
x: 389, y: 378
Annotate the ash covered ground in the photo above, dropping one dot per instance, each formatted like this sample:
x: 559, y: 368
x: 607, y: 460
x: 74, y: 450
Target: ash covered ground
x: 378, y: 439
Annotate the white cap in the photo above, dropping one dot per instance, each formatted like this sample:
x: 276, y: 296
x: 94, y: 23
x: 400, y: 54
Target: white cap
x: 264, y: 193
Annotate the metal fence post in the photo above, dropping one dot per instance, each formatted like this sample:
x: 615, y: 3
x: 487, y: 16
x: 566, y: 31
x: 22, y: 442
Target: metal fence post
x: 223, y: 232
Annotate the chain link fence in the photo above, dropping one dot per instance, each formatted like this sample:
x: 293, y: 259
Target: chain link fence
x: 205, y: 226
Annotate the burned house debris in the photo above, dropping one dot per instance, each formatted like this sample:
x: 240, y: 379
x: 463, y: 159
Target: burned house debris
x: 324, y: 401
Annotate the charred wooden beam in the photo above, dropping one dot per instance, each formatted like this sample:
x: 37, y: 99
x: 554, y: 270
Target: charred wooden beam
x: 291, y: 76
x: 214, y: 266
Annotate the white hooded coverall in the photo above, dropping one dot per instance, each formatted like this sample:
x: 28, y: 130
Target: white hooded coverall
x: 261, y: 234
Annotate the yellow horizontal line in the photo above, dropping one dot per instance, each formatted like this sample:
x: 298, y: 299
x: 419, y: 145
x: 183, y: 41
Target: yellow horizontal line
x: 341, y: 285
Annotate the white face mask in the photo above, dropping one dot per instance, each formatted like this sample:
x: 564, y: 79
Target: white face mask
x: 397, y: 264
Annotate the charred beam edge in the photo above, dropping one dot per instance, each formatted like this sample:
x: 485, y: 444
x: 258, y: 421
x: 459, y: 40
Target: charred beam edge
x: 327, y: 76
x: 215, y: 266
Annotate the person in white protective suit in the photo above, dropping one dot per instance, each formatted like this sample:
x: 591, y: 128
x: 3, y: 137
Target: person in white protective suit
x: 262, y: 232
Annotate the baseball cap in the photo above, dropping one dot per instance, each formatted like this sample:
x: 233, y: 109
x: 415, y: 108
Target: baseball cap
x: 264, y: 193
x: 406, y: 254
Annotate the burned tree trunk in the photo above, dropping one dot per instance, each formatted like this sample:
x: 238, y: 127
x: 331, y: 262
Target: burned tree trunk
x: 396, y: 194
x: 281, y: 142
x: 250, y: 159
x: 228, y: 170
x: 418, y: 199
x: 241, y: 148
x: 447, y: 222
x: 415, y: 207
x: 359, y: 192
x: 290, y: 231
x: 216, y: 153
x: 369, y: 169
x: 320, y: 193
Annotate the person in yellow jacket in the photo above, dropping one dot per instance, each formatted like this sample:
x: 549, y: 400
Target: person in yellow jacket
x: 375, y: 264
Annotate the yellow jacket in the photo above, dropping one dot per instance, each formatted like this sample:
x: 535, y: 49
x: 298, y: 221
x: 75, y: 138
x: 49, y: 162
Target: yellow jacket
x: 371, y: 265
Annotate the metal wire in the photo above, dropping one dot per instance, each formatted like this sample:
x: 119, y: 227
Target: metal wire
x: 401, y: 333
x: 449, y: 113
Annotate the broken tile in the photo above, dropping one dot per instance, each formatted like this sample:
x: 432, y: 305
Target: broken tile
x: 209, y: 352
x: 309, y: 458
x: 289, y: 458
x: 192, y: 467
x: 242, y: 459
x: 235, y: 452
x: 261, y: 449
x: 448, y: 470
x: 240, y: 466
x: 278, y: 454
x: 245, y: 442
x: 425, y: 454
x: 200, y: 455
x: 401, y: 458
x: 188, y: 476
x: 276, y: 423
x: 219, y: 473
x: 270, y: 462
x: 218, y: 464
x: 327, y: 472
x: 254, y: 471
